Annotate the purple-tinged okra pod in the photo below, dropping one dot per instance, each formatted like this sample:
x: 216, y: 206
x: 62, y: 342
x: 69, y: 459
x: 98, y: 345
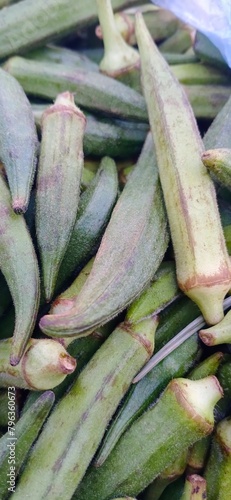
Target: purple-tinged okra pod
x: 84, y: 412
x: 58, y: 184
x: 218, y: 161
x: 194, y: 488
x: 202, y: 263
x: 16, y: 443
x: 44, y: 365
x: 219, y: 333
x: 120, y: 60
x: 93, y: 91
x: 18, y: 140
x: 184, y: 413
x: 218, y: 469
x: 130, y: 252
x: 18, y: 263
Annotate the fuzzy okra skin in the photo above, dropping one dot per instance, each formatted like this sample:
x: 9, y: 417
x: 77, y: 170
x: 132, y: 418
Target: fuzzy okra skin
x: 218, y: 161
x: 130, y: 252
x: 18, y: 263
x: 194, y: 488
x: 44, y: 365
x: 202, y: 261
x: 218, y: 469
x: 83, y: 414
x: 58, y: 183
x: 93, y: 91
x: 16, y: 443
x: 184, y: 413
x: 18, y: 140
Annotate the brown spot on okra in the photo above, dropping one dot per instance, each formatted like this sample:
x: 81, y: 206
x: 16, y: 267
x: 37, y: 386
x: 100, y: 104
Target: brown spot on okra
x: 67, y: 364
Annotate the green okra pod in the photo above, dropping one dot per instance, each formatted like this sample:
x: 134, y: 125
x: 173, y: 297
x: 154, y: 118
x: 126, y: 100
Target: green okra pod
x: 203, y: 269
x: 92, y: 90
x: 208, y: 366
x: 170, y: 474
x: 4, y: 410
x: 180, y: 41
x: 133, y: 246
x: 83, y: 414
x: 95, y: 207
x: 219, y: 333
x: 219, y: 133
x: 218, y: 469
x: 199, y: 74
x: 19, y: 266
x: 18, y: 149
x: 57, y: 54
x: 16, y: 443
x: 28, y: 24
x: 194, y: 488
x: 207, y: 100
x: 185, y: 414
x: 58, y: 184
x: 218, y: 161
x: 197, y: 455
x: 44, y: 365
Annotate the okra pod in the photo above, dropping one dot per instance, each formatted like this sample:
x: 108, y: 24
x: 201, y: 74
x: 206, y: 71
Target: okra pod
x: 197, y: 455
x: 4, y: 410
x: 92, y: 90
x: 199, y: 74
x: 18, y: 149
x: 58, y: 184
x: 15, y: 445
x: 218, y: 161
x: 133, y: 245
x: 180, y: 41
x: 97, y: 392
x: 208, y: 366
x: 195, y: 488
x: 219, y: 133
x: 29, y: 24
x: 219, y: 333
x: 218, y: 469
x: 185, y: 414
x: 92, y: 217
x: 44, y: 365
x: 207, y: 100
x: 170, y: 474
x: 203, y: 270
x: 19, y: 266
x: 207, y: 52
x: 57, y: 54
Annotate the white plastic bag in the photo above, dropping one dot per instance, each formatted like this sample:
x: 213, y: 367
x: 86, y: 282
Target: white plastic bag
x: 211, y: 17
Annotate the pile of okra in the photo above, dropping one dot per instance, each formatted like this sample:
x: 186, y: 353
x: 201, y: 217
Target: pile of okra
x: 115, y: 235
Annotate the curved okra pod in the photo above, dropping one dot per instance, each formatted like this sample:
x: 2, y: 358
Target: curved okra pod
x: 218, y: 161
x: 19, y: 265
x: 218, y: 469
x: 44, y: 365
x: 18, y: 140
x: 130, y: 252
x: 84, y: 412
x: 16, y: 443
x: 194, y: 488
x: 58, y: 183
x: 185, y: 413
x: 218, y: 334
x: 202, y: 261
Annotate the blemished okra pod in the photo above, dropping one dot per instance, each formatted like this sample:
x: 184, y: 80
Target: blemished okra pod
x: 93, y: 91
x: 218, y: 469
x: 28, y: 24
x: 44, y: 365
x: 219, y: 333
x: 194, y: 488
x: 130, y: 252
x: 94, y: 211
x: 19, y: 266
x: 202, y: 263
x: 58, y: 183
x: 218, y: 161
x: 16, y: 443
x: 83, y: 414
x: 185, y: 413
x: 18, y: 149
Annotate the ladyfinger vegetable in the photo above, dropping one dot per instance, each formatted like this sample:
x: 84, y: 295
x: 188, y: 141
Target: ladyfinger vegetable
x: 19, y: 265
x: 202, y: 263
x: 44, y: 365
x: 84, y: 412
x: 170, y: 474
x: 18, y: 148
x: 219, y: 333
x: 218, y: 469
x: 58, y: 184
x: 185, y: 414
x: 130, y: 252
x: 195, y: 488
x: 218, y: 161
x: 15, y: 445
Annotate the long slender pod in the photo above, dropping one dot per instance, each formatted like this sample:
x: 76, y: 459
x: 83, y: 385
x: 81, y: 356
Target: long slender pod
x: 218, y: 469
x: 131, y: 250
x: 18, y: 140
x: 19, y: 265
x: 58, y: 183
x: 202, y: 261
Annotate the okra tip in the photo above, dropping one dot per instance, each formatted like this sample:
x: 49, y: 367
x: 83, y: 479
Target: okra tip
x: 19, y: 205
